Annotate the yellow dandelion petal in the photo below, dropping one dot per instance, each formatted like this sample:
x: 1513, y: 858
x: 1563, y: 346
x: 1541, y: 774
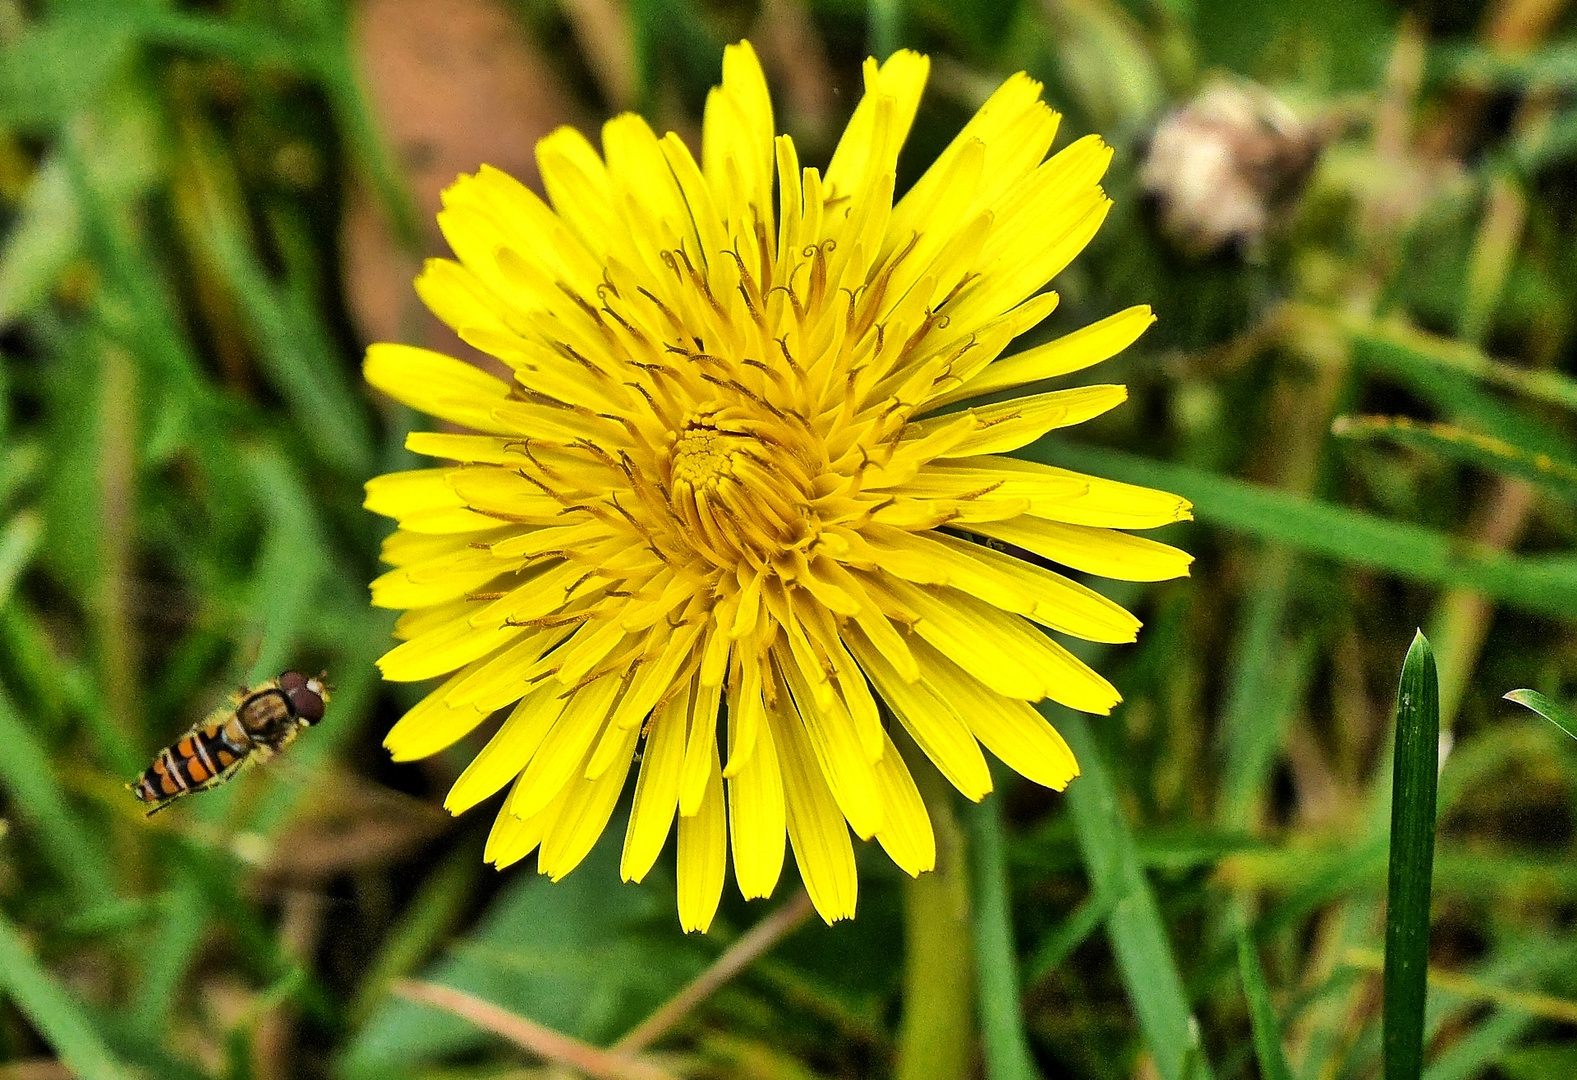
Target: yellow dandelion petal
x: 703, y: 853
x: 906, y: 833
x: 729, y: 518
x: 587, y: 807
x: 657, y: 789
x: 757, y: 815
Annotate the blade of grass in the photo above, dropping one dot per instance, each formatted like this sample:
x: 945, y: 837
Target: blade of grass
x: 136, y: 308
x: 293, y: 561
x: 1410, y: 351
x: 1545, y: 584
x: 1261, y: 1012
x: 28, y: 777
x: 1144, y: 954
x: 1548, y: 66
x: 997, y: 983
x: 1544, y: 1006
x: 117, y: 631
x: 1554, y: 713
x: 433, y: 913
x: 1267, y: 687
x: 1472, y: 1055
x: 1057, y: 946
x: 174, y: 946
x: 372, y: 152
x: 1312, y: 875
x: 53, y: 1013
x: 1523, y: 961
x: 1458, y: 444
x: 1414, y: 781
x: 293, y: 345
x: 234, y: 40
x: 18, y: 542
x: 1460, y: 395
x: 20, y: 462
x: 1249, y: 730
x: 54, y: 684
x: 41, y: 239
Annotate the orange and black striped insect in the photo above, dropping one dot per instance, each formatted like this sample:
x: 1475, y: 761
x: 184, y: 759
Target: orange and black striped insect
x: 259, y: 723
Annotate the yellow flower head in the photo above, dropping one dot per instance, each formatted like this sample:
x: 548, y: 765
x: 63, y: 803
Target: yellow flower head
x: 722, y: 498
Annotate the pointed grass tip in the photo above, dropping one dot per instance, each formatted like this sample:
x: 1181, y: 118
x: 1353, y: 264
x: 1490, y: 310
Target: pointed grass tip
x: 1558, y: 715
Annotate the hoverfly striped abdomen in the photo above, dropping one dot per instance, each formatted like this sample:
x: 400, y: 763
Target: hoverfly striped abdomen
x: 209, y: 751
x: 264, y: 720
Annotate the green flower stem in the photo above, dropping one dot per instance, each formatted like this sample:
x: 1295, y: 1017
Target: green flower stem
x: 936, y: 1041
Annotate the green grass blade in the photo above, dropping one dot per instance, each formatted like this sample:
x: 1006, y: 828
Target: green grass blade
x: 438, y: 906
x: 175, y: 945
x: 372, y: 152
x: 233, y: 40
x: 293, y: 349
x: 1414, y: 781
x: 1261, y: 1012
x: 1547, y: 585
x: 1558, y: 715
x: 1475, y: 1053
x: 53, y: 1012
x: 41, y: 240
x: 1542, y: 144
x: 1552, y: 65
x: 1450, y: 373
x: 996, y: 962
x: 20, y: 462
x: 18, y: 541
x: 1268, y: 678
x: 1458, y: 444
x: 28, y: 777
x: 290, y: 567
x: 1250, y: 732
x: 1057, y: 946
x: 936, y: 1037
x: 1138, y: 936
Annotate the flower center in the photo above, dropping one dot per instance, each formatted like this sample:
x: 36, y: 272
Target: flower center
x: 733, y: 484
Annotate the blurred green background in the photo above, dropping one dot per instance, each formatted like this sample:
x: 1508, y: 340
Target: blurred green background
x: 1364, y: 264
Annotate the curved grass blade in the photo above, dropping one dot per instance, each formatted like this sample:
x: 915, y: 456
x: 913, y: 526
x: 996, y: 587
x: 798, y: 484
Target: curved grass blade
x: 53, y: 1012
x: 18, y: 541
x: 1261, y: 1011
x: 1558, y: 715
x: 1055, y: 948
x: 1420, y: 358
x: 27, y: 777
x: 1414, y: 781
x: 1459, y: 444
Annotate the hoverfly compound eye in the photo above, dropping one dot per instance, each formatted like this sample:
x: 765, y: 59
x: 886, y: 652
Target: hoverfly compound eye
x: 306, y: 695
x: 308, y: 703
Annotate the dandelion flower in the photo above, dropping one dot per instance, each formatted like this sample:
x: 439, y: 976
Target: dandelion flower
x: 722, y: 521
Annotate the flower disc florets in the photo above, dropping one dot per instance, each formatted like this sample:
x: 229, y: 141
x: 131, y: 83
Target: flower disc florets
x: 720, y: 496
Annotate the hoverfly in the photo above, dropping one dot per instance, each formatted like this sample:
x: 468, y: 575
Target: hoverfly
x: 259, y: 723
